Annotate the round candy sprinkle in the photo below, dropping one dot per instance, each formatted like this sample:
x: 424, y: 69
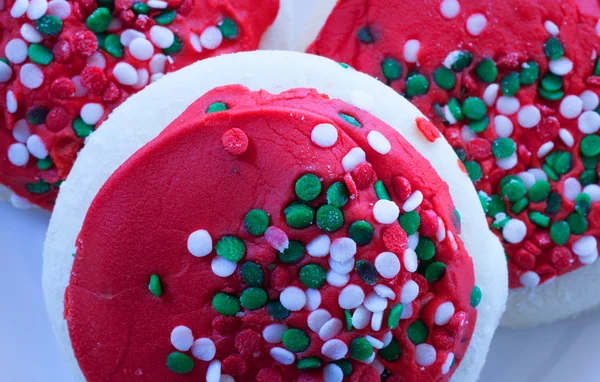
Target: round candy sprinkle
x: 416, y: 84
x: 330, y: 329
x: 444, y: 313
x: 308, y: 187
x: 425, y: 355
x: 577, y: 223
x: 324, y: 135
x: 418, y: 332
x: 155, y: 286
x: 317, y: 319
x: 391, y: 352
x: 49, y: 25
x: 444, y: 78
x: 385, y: 211
x: 298, y: 215
x: 295, y: 340
x: 99, y: 20
x: 367, y: 272
x: 309, y: 363
x: 352, y: 296
x: 394, y: 316
x: 319, y: 247
x: 510, y: 84
x: 293, y: 298
x: 182, y: 338
x: 474, y: 108
x: 312, y: 275
x: 256, y: 222
x: 473, y: 170
x: 229, y: 28
x: 539, y: 191
x: 560, y: 232
x: 226, y: 304
x: 334, y: 349
x: 277, y: 238
x: 361, y: 232
x: 222, y: 267
x: 391, y: 68
x: 387, y: 264
x: 252, y: 274
x: 329, y: 218
x: 277, y: 311
x: 180, y: 363
x: 487, y: 71
x: 292, y: 254
x: 253, y: 298
x: 553, y: 48
x: 350, y: 119
x: 337, y: 194
x: 200, y: 243
x: 361, y: 349
x: 204, y: 349
x: 435, y: 271
x: 503, y: 147
x: 342, y: 249
x: 282, y: 355
x: 216, y: 107
x: 514, y: 231
x: 231, y: 248
x: 475, y: 296
x: 425, y: 249
x: 410, y: 222
x: 364, y: 35
x: 274, y: 333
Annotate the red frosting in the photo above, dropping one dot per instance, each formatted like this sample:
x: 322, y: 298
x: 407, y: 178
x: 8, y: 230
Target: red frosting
x: 187, y: 179
x: 514, y: 35
x: 71, y: 50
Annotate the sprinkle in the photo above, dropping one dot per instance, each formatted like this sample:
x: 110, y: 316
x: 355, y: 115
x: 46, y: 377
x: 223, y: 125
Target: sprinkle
x: 157, y: 4
x: 385, y: 211
x: 411, y: 50
x: 30, y: 34
x: 200, y: 243
x: 11, y: 102
x: 332, y: 373
x: 317, y: 319
x: 330, y: 329
x: 361, y: 317
x: 21, y: 131
x: 125, y: 73
x: 593, y: 190
x: 161, y: 37
x: 319, y: 247
x: 31, y: 76
x: 375, y: 303
x: 36, y: 9
x: 384, y: 291
x: 514, y: 231
x: 18, y: 154
x: 589, y: 122
x: 36, y: 147
x: 429, y: 131
x: 59, y: 8
x: 351, y: 297
x: 343, y: 267
x: 342, y: 249
x: 129, y: 35
x: 545, y: 149
x: 353, y: 158
x: 444, y: 313
x: 585, y: 246
x: 141, y: 49
x: 387, y: 264
x: 551, y: 28
x: 590, y: 259
x: 211, y: 38
x: 410, y: 291
x: 571, y: 107
x: 222, y: 267
x: 336, y: 279
x: 293, y: 298
x: 507, y: 163
x: 490, y: 94
x: 590, y: 100
x: 413, y: 201
x: 179, y: 363
x: 235, y: 141
x: 231, y: 248
x: 213, y: 372
x: 425, y: 355
x: 378, y: 142
x: 448, y: 363
x: 561, y: 67
x: 324, y: 135
x: 97, y: 59
x: 529, y: 279
x: 529, y: 116
x: 476, y: 23
x: 91, y: 113
x: 334, y: 349
x: 572, y: 188
x: 182, y: 338
x: 449, y: 9
x: 413, y: 241
x: 411, y: 262
x: 204, y: 349
x: 277, y: 238
x: 567, y: 137
x: 313, y: 299
x: 508, y: 105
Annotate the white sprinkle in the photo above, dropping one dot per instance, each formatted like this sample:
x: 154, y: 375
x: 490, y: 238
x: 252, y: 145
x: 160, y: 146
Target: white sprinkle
x: 125, y: 73
x: 11, y: 102
x: 195, y: 41
x: 222, y: 267
x: 545, y: 149
x: 36, y: 9
x: 213, y: 372
x: 342, y: 249
x: 440, y: 235
x: 157, y: 63
x: 332, y: 373
x: 97, y: 59
x: 319, y: 247
x: 200, y: 243
x: 572, y: 188
x: 129, y: 35
x: 407, y: 312
x: 204, y: 349
x: 157, y: 4
x: 589, y: 122
x: 571, y: 107
x: 313, y: 299
x: 507, y: 163
x: 377, y: 365
x: 467, y: 134
x: 507, y: 105
x: 590, y: 100
x: 361, y: 317
x: 413, y: 201
x: 19, y: 202
x: 155, y: 77
x: 476, y: 23
x: 36, y: 147
x: 449, y: 9
x: 561, y: 67
x: 21, y: 131
x: 585, y: 246
x: 337, y: 280
x: 351, y: 297
x: 91, y: 113
x: 161, y: 37
x: 5, y: 72
x: 16, y: 51
x: 411, y: 50
x: 387, y: 264
x: 425, y: 355
x: 529, y: 279
x: 413, y: 241
x: 386, y: 211
x: 317, y: 319
x: 354, y: 157
x: 334, y: 349
x: 182, y: 338
x: 452, y: 241
x: 384, y: 291
x: 324, y: 135
x: 211, y: 38
x: 593, y: 190
x: 410, y: 291
x: 527, y: 178
x: 18, y: 154
x: 19, y: 8
x: 277, y: 238
x: 378, y: 142
x: 376, y: 321
x: 374, y: 342
x: 514, y: 231
x: 59, y: 8
x: 274, y: 333
x: 80, y: 91
x: 491, y: 94
x: 387, y: 338
x: 293, y: 298
x: 141, y: 49
x: 529, y: 116
x: 538, y: 174
x: 566, y: 137
x: 443, y: 313
x: 375, y: 303
x: 551, y: 28
x: 31, y: 76
x: 588, y: 260
x: 143, y: 77
x: 448, y: 363
x: 282, y: 355
x: 331, y: 329
x: 411, y: 262
x: 343, y: 267
x: 362, y: 100
x: 30, y: 34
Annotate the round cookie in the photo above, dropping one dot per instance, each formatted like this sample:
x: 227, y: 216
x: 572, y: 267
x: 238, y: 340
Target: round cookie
x: 65, y: 65
x: 513, y: 86
x: 238, y: 171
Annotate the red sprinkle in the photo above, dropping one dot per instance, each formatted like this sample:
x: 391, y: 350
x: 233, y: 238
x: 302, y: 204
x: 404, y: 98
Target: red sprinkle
x: 532, y: 248
x: 402, y: 188
x: 429, y: 223
x: 479, y: 148
x: 248, y: 342
x: 351, y: 186
x: 51, y: 175
x: 469, y: 82
x: 363, y: 175
x: 422, y: 283
x: 111, y: 92
x: 508, y: 61
x: 395, y: 239
x: 127, y: 16
x: 85, y: 43
x: 457, y: 322
x: 561, y: 257
x: 57, y: 119
x: 442, y: 341
x: 234, y: 365
x: 62, y: 51
x: 225, y: 325
x: 430, y: 132
x: 280, y: 278
x: 524, y: 259
x: 546, y: 271
x: 268, y: 375
x: 235, y: 141
x: 542, y: 239
x: 62, y: 88
x: 93, y: 79
x: 548, y: 129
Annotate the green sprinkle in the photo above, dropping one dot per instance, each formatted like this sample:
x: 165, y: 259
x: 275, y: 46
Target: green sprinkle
x: 166, y: 17
x: 473, y: 170
x: 551, y: 82
x: 560, y: 232
x: 381, y: 191
x: 309, y: 363
x: 554, y: 204
x: 49, y: 25
x: 588, y: 177
x: 256, y: 222
x: 475, y: 296
x: 361, y: 349
x: 539, y: 191
x: 253, y: 298
x: 350, y: 119
x: 44, y: 164
x: 553, y: 48
x: 231, y: 248
x: 229, y: 29
x: 329, y: 218
x: 551, y: 96
x: 292, y: 254
x: 590, y: 163
x: 252, y: 274
x: 345, y: 365
x: 539, y: 219
x: 425, y: 249
x: 590, y: 145
x: 364, y: 35
x: 455, y: 109
x: 277, y: 311
x: 463, y: 60
x: 487, y: 70
x: 503, y: 147
x: 474, y: 108
x: 295, y: 340
x: 550, y: 172
x: 36, y: 115
x: 510, y: 84
x: 39, y: 188
x: 217, y: 106
x: 344, y: 65
x: 226, y: 304
x: 435, y: 271
x: 155, y: 286
x: 337, y: 194
x: 361, y: 232
x: 519, y: 205
x: 140, y: 8
x: 313, y: 276
x: 460, y: 153
x: 444, y: 78
x: 530, y: 73
x: 394, y: 316
x: 512, y: 188
x: 366, y: 271
x: 481, y: 125
x: 175, y: 47
x: 410, y: 222
x: 496, y: 206
x: 392, y: 69
x: 392, y: 352
x: 418, y: 332
x: 299, y: 215
x: 416, y: 85
x: 348, y: 316
x: 180, y: 363
x: 113, y: 46
x: 577, y: 223
x: 583, y: 204
x: 39, y: 54
x: 562, y: 161
x: 99, y: 20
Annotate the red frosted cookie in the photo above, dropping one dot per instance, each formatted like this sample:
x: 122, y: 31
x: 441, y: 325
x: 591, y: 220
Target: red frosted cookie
x: 248, y: 235
x: 513, y: 86
x: 64, y: 65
